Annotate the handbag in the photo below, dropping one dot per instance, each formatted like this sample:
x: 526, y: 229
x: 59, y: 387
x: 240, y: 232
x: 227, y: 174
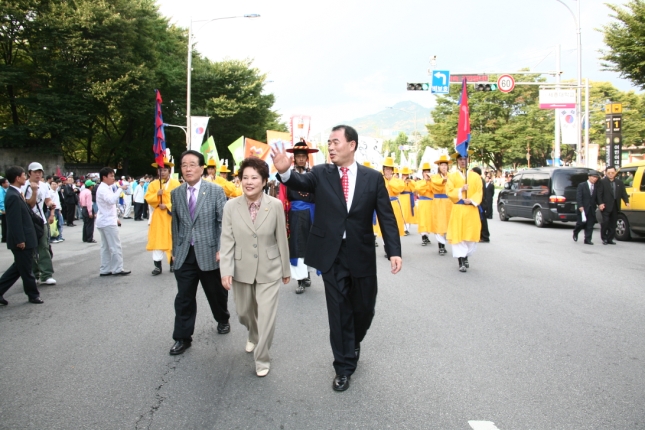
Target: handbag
x: 599, y: 216
x: 39, y: 226
x: 53, y: 228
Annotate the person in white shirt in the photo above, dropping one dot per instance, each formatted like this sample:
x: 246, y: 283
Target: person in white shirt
x: 107, y: 197
x: 139, y: 200
x: 37, y: 194
x: 127, y: 197
x: 55, y: 198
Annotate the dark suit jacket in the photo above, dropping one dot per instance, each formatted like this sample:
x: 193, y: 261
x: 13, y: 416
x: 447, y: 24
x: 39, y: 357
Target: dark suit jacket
x: 204, y: 230
x: 603, y: 194
x: 20, y: 227
x: 331, y: 218
x: 489, y: 193
x: 69, y: 195
x: 586, y: 200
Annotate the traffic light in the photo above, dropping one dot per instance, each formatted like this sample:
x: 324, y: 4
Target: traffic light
x: 418, y: 86
x: 485, y: 86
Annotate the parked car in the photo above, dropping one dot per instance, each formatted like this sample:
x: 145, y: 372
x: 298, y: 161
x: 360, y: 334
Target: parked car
x: 545, y: 194
x: 631, y: 220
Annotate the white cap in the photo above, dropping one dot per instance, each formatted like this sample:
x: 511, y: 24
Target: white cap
x: 35, y: 166
x: 122, y: 177
x: 141, y: 180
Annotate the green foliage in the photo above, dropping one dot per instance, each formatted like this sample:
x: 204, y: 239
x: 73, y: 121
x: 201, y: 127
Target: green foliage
x: 502, y: 125
x: 626, y: 40
x: 78, y: 78
x: 392, y: 146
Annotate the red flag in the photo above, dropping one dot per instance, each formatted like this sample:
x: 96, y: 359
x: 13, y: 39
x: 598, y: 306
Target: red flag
x: 463, y: 126
x: 159, y: 145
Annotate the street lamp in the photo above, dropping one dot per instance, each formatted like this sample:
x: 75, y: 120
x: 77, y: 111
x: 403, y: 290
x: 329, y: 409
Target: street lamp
x: 576, y: 20
x: 189, y: 62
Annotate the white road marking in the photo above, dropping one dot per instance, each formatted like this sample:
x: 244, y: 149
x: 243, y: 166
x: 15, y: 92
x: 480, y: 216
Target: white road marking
x: 483, y: 425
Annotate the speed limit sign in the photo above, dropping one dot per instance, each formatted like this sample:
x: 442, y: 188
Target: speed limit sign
x: 505, y: 83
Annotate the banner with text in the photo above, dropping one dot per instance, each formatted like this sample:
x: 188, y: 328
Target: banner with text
x: 568, y: 125
x: 300, y: 127
x: 277, y: 139
x: 197, y: 131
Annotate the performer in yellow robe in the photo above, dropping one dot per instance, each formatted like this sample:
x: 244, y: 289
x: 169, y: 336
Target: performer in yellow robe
x: 394, y: 187
x: 423, y: 210
x: 160, y: 230
x: 441, y: 205
x: 407, y: 199
x: 230, y: 189
x: 465, y: 190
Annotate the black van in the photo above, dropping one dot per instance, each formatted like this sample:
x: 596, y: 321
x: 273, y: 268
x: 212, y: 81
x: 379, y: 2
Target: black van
x: 545, y: 194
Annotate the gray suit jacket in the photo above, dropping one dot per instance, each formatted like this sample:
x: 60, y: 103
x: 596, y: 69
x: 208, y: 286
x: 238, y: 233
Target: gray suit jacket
x: 204, y: 230
x: 254, y: 251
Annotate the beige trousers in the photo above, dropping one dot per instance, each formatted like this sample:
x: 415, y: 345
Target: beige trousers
x: 257, y: 306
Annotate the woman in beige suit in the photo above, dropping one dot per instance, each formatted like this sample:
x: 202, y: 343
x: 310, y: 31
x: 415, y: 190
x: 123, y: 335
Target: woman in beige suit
x: 254, y: 258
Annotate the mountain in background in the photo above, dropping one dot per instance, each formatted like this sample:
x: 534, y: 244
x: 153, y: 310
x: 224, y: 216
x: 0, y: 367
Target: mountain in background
x: 388, y: 123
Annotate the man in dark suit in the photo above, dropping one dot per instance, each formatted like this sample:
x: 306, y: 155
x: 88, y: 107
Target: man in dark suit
x: 586, y: 199
x: 21, y: 239
x: 489, y: 195
x: 341, y: 241
x: 197, y: 208
x: 70, y: 198
x: 608, y: 196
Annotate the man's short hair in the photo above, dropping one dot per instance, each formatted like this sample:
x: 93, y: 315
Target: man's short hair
x: 350, y: 133
x: 477, y: 170
x: 105, y: 172
x: 13, y: 173
x: 611, y: 166
x: 259, y: 165
x: 197, y: 154
x: 3, y: 180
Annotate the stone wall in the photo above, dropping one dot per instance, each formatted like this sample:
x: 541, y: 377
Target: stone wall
x: 24, y: 156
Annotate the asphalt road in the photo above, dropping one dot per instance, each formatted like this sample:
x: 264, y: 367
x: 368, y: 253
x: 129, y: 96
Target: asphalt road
x: 541, y: 333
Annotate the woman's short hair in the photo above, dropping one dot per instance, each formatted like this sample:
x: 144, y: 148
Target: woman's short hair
x: 260, y: 166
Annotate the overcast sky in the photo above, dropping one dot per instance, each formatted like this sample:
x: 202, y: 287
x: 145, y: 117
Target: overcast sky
x: 337, y: 60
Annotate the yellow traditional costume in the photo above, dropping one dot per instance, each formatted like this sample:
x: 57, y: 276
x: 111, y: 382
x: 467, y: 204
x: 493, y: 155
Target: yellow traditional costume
x: 160, y: 230
x: 230, y: 189
x: 423, y: 209
x: 464, y: 228
x: 441, y: 206
x: 407, y: 200
x: 394, y: 187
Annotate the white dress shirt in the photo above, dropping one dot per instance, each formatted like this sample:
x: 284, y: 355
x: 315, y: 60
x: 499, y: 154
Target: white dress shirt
x: 106, y: 199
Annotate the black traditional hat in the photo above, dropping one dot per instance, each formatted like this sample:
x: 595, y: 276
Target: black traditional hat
x: 302, y: 147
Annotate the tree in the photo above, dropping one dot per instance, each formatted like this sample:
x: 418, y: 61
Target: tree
x: 504, y: 127
x: 626, y: 40
x: 78, y: 78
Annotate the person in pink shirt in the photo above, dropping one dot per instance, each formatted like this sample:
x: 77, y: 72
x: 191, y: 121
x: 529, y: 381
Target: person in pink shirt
x: 85, y: 201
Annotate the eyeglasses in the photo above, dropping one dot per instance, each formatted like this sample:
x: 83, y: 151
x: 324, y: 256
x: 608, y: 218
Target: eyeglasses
x: 190, y: 166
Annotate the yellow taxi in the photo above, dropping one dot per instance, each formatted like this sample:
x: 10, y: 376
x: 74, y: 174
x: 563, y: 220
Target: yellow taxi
x: 631, y: 220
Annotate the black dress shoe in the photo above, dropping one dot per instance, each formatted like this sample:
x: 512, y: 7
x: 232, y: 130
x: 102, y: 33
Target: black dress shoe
x: 575, y: 236
x: 611, y: 242
x: 357, y: 351
x: 223, y: 328
x: 3, y: 302
x: 588, y: 242
x: 36, y: 300
x: 604, y: 242
x: 105, y: 274
x: 341, y: 382
x: 179, y: 347
x: 122, y: 273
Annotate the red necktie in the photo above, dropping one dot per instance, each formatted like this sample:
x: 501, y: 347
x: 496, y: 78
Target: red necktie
x: 344, y: 181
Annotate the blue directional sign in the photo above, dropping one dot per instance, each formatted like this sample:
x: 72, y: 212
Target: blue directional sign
x: 440, y: 82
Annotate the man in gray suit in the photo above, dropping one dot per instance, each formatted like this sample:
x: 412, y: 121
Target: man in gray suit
x: 197, y: 208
